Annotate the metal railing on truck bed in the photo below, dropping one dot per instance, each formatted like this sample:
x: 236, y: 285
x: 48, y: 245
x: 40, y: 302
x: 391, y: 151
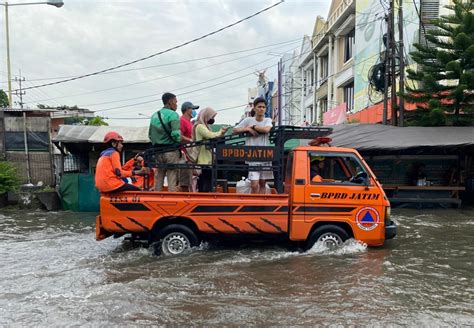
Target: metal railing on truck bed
x: 230, y: 153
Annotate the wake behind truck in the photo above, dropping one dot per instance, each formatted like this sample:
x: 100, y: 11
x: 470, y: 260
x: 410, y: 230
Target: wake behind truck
x: 347, y: 201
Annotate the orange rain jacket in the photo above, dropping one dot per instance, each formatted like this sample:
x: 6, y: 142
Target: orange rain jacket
x: 109, y: 172
x: 139, y: 180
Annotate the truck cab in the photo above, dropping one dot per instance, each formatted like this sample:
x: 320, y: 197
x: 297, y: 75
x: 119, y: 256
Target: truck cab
x: 345, y: 195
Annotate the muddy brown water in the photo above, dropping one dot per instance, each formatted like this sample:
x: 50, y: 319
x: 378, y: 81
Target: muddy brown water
x: 54, y: 273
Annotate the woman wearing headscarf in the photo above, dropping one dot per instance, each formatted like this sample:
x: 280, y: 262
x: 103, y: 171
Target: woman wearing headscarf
x: 202, y: 131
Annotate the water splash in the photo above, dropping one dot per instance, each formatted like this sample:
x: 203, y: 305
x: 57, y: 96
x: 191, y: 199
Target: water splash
x: 350, y: 246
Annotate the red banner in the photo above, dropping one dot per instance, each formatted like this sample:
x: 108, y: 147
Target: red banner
x: 337, y: 115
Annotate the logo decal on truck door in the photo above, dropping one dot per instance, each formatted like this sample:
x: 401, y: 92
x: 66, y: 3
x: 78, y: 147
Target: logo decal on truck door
x: 367, y: 218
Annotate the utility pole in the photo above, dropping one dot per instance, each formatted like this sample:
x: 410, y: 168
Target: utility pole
x: 402, y: 62
x: 280, y: 64
x: 387, y: 71
x: 393, y: 55
x: 20, y: 92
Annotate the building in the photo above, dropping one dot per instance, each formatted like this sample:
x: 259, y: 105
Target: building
x: 333, y: 45
x: 26, y: 143
x: 347, y: 49
x: 369, y: 52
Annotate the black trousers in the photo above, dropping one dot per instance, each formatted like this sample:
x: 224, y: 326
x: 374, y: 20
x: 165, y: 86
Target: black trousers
x: 204, y: 182
x: 126, y: 187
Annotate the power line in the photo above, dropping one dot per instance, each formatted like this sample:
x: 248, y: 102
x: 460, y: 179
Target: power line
x: 188, y: 92
x: 147, y: 118
x: 168, y: 64
x: 161, y: 77
x: 172, y: 63
x: 207, y: 87
x: 161, y: 52
x: 186, y: 87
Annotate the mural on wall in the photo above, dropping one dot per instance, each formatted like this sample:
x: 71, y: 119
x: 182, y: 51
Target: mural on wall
x: 370, y: 28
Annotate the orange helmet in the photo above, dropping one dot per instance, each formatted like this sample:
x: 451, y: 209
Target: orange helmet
x: 112, y: 136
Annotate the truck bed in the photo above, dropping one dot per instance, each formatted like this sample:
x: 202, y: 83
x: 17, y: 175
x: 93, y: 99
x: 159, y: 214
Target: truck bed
x: 213, y: 213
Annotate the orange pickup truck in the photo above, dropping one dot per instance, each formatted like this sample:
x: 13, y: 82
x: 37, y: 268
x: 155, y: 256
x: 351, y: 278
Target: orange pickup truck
x: 342, y: 200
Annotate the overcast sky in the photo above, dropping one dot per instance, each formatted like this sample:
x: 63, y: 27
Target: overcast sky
x: 85, y: 36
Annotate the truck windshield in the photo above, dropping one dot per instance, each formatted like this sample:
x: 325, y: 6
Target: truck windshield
x: 336, y: 168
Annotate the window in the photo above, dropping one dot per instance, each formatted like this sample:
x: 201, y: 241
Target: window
x: 308, y: 82
x: 349, y: 45
x: 324, y: 69
x: 323, y: 105
x: 309, y: 113
x: 336, y: 169
x: 349, y: 97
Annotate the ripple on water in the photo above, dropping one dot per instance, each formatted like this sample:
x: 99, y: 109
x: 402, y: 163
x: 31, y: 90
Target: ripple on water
x: 55, y: 273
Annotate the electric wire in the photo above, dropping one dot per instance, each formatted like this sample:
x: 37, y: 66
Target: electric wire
x: 161, y: 52
x: 173, y: 63
x: 160, y: 77
x: 156, y: 100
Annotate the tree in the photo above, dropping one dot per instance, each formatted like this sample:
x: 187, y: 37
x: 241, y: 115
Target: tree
x: 445, y: 73
x: 3, y: 99
x: 97, y: 120
x: 9, y: 179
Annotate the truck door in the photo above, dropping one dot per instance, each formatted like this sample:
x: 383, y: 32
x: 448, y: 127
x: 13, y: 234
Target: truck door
x: 339, y: 188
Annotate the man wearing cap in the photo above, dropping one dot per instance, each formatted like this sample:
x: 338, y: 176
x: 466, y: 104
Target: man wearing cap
x: 189, y: 111
x: 165, y: 131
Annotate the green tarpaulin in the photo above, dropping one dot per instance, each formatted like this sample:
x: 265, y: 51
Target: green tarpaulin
x: 78, y: 193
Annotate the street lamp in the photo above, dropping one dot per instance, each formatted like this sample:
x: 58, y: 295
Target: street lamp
x: 144, y: 115
x: 55, y: 3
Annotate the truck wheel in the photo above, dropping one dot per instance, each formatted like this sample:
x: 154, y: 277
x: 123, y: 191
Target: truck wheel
x: 175, y: 239
x: 330, y: 235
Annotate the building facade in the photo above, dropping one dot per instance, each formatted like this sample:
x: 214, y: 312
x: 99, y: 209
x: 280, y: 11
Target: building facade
x: 347, y: 48
x: 307, y: 69
x: 333, y: 46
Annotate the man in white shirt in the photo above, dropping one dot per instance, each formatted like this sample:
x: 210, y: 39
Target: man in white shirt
x: 259, y: 127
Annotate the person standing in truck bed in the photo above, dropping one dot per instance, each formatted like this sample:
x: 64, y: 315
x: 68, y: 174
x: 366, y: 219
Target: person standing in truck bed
x: 259, y: 127
x: 165, y: 131
x: 202, y: 131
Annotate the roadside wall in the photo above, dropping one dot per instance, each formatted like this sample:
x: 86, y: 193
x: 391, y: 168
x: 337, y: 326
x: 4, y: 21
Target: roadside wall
x: 39, y: 147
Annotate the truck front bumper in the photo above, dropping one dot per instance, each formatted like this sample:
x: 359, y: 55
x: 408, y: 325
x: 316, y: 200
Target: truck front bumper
x: 391, y: 230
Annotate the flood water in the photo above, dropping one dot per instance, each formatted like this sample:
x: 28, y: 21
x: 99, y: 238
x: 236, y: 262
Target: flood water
x: 54, y: 273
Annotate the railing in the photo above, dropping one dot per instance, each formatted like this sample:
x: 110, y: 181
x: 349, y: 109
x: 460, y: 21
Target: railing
x: 331, y: 21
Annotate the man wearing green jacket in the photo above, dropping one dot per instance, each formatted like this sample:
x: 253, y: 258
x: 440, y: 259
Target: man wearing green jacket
x: 165, y: 131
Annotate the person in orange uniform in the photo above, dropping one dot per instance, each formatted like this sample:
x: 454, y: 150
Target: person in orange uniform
x: 137, y: 163
x: 109, y: 173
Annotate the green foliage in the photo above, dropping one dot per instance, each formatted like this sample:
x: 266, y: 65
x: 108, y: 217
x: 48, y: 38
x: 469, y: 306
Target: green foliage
x: 3, y: 99
x: 445, y: 73
x: 97, y: 120
x: 8, y: 177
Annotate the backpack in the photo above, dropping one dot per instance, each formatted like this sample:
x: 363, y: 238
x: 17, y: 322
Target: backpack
x: 192, y: 153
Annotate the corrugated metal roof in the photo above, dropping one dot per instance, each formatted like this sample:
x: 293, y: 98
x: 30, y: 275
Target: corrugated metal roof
x: 95, y: 134
x: 364, y: 137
